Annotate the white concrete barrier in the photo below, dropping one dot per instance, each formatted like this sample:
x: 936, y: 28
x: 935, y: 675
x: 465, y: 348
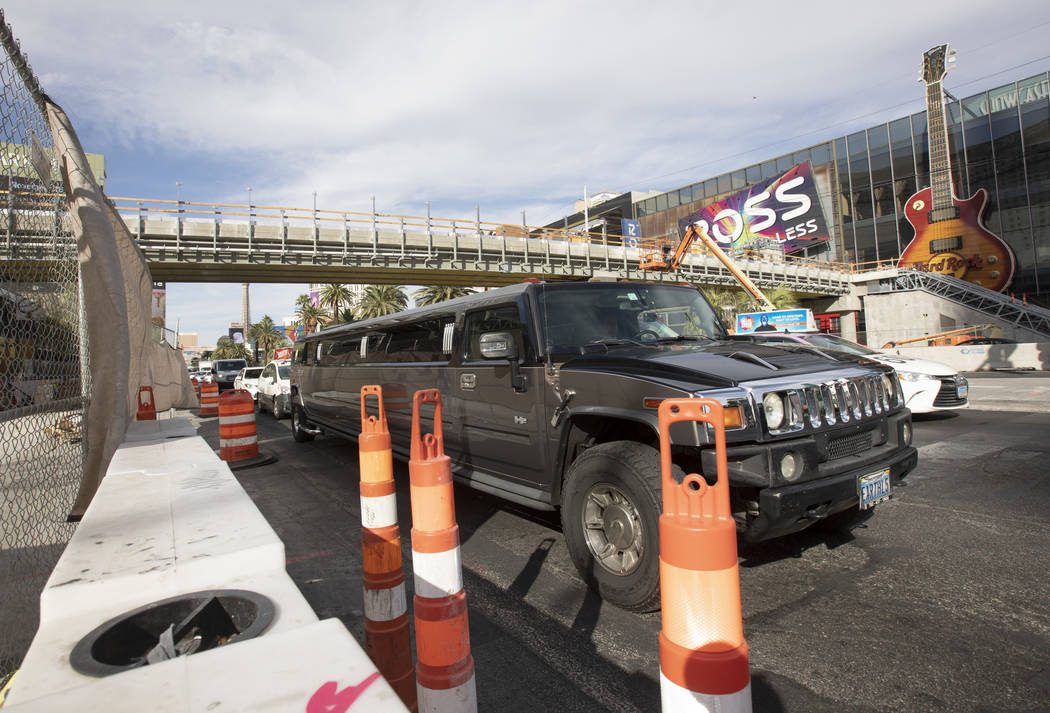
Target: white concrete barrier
x: 982, y: 357
x: 170, y: 518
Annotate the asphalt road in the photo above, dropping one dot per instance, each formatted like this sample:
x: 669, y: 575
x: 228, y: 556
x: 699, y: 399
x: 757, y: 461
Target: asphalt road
x: 939, y: 603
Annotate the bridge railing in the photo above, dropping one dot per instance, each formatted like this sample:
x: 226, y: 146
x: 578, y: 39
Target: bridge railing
x: 258, y: 214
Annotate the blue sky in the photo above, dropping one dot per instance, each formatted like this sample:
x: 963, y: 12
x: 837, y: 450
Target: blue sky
x: 511, y: 106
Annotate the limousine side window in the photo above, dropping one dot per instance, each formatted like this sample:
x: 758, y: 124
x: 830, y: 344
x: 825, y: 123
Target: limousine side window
x: 338, y: 352
x: 419, y: 342
x: 496, y: 319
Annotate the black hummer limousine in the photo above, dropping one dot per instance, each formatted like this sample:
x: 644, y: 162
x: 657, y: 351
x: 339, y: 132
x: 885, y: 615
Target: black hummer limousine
x: 550, y: 394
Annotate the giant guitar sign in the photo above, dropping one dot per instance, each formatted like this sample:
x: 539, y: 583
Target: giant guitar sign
x: 950, y: 238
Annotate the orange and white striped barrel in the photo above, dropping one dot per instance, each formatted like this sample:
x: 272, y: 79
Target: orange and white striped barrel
x: 388, y: 640
x: 445, y: 668
x: 703, y: 655
x: 147, y: 410
x: 196, y: 387
x: 238, y: 439
x: 209, y: 399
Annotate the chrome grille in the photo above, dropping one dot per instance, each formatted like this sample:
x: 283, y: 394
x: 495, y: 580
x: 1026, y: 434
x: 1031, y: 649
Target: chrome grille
x: 840, y: 400
x: 948, y: 394
x: 848, y: 445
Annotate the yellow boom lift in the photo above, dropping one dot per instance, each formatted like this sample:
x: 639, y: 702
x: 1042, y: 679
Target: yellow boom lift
x: 663, y: 257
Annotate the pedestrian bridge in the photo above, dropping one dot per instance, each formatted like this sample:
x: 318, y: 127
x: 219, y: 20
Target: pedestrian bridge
x: 211, y: 242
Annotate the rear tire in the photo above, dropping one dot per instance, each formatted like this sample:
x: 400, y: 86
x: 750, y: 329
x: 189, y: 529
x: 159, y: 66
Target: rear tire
x: 610, y: 517
x: 298, y: 433
x: 277, y: 413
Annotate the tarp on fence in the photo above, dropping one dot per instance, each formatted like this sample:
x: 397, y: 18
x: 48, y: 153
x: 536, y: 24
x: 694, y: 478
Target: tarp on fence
x: 117, y: 293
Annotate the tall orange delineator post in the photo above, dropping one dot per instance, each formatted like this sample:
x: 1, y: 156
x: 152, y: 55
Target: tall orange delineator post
x: 147, y: 410
x: 209, y: 399
x: 238, y: 439
x: 388, y: 640
x: 445, y: 668
x: 703, y: 655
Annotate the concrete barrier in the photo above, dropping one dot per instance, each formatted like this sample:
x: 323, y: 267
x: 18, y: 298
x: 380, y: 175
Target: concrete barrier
x: 170, y: 518
x: 982, y: 357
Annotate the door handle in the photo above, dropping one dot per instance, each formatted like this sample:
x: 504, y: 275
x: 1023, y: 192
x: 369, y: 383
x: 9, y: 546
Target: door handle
x: 467, y: 381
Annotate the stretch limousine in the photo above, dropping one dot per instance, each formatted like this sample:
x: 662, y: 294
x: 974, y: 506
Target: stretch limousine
x: 550, y: 394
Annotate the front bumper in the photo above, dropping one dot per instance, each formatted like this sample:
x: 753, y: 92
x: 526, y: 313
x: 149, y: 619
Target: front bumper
x: 791, y: 508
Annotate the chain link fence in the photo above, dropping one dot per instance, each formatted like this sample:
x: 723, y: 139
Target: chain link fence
x: 43, y: 370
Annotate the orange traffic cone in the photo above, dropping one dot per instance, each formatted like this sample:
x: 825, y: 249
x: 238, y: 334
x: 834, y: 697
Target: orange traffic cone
x: 445, y: 670
x: 147, y: 410
x: 703, y: 655
x: 388, y: 640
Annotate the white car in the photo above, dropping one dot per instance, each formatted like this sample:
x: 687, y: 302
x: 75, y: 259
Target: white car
x: 927, y: 385
x: 274, y: 390
x: 248, y: 379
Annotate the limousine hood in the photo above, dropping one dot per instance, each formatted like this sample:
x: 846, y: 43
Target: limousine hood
x: 720, y: 364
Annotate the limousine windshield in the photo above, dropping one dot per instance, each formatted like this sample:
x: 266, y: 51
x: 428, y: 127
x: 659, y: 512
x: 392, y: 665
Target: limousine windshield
x: 573, y: 316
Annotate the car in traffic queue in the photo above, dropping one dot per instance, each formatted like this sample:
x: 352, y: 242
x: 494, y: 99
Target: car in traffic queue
x: 248, y: 379
x: 927, y: 385
x: 550, y: 398
x: 273, y: 389
x: 226, y: 371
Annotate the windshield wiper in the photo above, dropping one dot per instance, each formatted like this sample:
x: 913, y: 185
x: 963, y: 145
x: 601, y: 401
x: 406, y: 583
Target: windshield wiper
x: 684, y: 338
x: 615, y: 342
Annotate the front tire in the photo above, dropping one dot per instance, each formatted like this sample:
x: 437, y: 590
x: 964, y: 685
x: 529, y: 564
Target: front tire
x: 298, y: 433
x: 610, y: 516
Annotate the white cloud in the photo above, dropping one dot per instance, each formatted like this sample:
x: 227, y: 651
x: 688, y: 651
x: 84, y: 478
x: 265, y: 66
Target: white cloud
x: 508, y: 105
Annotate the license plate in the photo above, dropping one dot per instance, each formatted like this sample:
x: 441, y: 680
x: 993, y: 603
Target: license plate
x: 874, y: 488
x: 962, y: 390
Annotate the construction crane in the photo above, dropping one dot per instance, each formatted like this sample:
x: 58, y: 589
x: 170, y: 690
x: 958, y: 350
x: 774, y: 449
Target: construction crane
x: 663, y: 257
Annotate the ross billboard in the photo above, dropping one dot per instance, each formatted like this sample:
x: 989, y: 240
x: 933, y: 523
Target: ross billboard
x: 782, y: 320
x: 783, y: 211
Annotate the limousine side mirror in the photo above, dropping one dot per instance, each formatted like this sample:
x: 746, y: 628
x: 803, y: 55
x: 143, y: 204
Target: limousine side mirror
x: 501, y: 345
x: 497, y: 345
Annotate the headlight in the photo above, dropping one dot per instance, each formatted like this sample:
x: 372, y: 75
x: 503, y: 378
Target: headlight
x: 284, y: 388
x: 912, y: 376
x: 773, y: 406
x: 888, y: 383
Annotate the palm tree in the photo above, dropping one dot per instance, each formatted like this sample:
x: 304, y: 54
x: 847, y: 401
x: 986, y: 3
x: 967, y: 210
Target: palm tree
x: 379, y: 300
x: 432, y: 294
x: 226, y: 348
x: 266, y: 337
x: 307, y: 316
x: 783, y: 298
x: 729, y: 301
x: 333, y: 296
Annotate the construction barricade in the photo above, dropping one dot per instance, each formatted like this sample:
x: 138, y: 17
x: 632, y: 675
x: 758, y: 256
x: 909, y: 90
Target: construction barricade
x: 196, y: 387
x: 445, y: 668
x: 703, y: 655
x: 209, y: 399
x: 147, y: 410
x: 238, y: 439
x: 387, y: 637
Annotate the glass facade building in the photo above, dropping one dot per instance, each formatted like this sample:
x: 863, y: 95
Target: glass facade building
x: 999, y: 140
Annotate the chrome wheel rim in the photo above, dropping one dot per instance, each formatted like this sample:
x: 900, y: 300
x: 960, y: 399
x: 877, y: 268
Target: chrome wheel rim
x: 613, y: 529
